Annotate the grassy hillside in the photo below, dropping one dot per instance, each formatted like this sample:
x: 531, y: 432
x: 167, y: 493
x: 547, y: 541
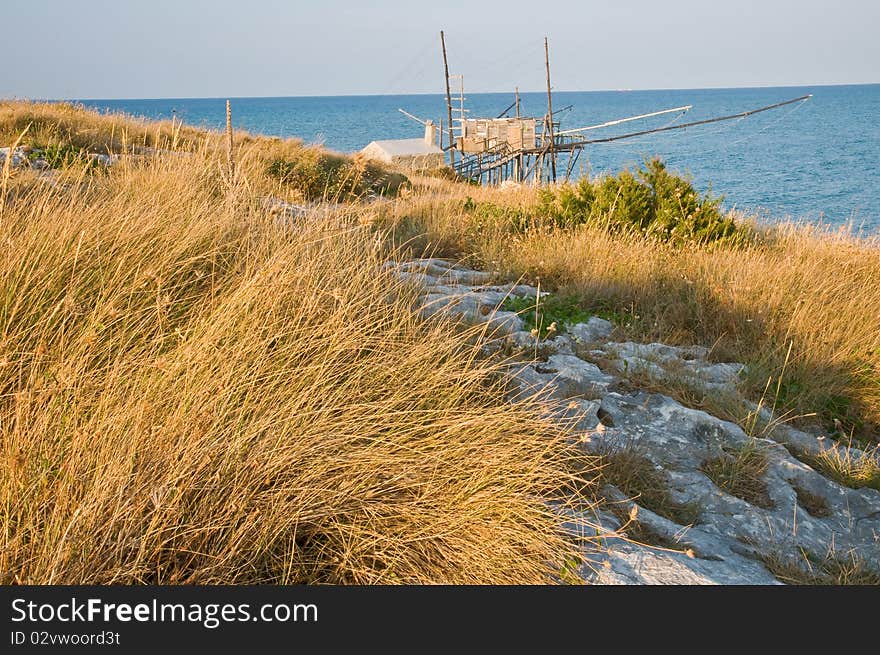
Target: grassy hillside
x: 66, y: 135
x: 193, y: 392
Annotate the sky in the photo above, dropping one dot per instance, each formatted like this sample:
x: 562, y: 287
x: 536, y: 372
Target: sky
x: 236, y: 48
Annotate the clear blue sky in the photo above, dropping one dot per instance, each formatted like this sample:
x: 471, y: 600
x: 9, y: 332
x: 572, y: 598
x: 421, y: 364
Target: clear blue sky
x: 229, y: 48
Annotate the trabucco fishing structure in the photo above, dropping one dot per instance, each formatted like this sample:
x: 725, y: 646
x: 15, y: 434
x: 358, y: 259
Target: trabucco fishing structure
x: 521, y: 148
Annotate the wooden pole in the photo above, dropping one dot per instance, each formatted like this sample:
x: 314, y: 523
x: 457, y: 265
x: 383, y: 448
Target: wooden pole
x: 518, y: 162
x: 461, y: 100
x: 448, y: 102
x: 230, y: 159
x: 549, y: 109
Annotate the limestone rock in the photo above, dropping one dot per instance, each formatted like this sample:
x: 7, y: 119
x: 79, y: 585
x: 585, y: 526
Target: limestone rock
x: 283, y: 209
x: 595, y: 329
x: 105, y: 160
x: 798, y: 510
x: 18, y: 158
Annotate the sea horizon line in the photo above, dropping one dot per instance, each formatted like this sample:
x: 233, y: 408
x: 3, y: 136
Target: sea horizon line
x: 423, y: 93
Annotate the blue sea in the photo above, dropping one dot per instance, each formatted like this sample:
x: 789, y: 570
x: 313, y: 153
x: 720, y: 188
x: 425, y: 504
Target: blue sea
x: 817, y: 161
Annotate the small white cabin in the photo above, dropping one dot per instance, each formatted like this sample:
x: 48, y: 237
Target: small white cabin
x: 412, y: 154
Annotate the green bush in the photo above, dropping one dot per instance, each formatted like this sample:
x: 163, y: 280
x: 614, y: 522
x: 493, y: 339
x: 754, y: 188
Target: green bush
x: 652, y: 201
x: 489, y: 215
x: 319, y: 175
x: 63, y: 155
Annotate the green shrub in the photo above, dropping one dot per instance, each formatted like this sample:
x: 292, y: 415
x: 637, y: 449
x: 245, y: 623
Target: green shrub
x: 63, y: 155
x: 319, y: 175
x: 489, y: 215
x: 652, y: 201
x: 624, y: 202
x: 679, y: 211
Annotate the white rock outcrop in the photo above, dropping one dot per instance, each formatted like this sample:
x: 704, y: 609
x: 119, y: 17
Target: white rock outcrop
x: 730, y: 538
x: 18, y: 157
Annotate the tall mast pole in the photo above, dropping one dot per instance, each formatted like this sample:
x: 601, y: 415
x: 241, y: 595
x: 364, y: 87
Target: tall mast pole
x: 461, y: 96
x: 519, y: 162
x: 550, y: 110
x: 448, y: 102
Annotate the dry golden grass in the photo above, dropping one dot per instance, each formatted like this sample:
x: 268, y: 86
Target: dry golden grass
x: 814, y: 504
x: 843, y: 466
x: 833, y: 568
x: 813, y: 290
x: 192, y: 392
x: 286, y: 168
x: 635, y: 475
x: 741, y: 473
x: 100, y: 133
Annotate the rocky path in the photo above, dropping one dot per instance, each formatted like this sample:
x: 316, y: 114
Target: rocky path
x: 703, y: 529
